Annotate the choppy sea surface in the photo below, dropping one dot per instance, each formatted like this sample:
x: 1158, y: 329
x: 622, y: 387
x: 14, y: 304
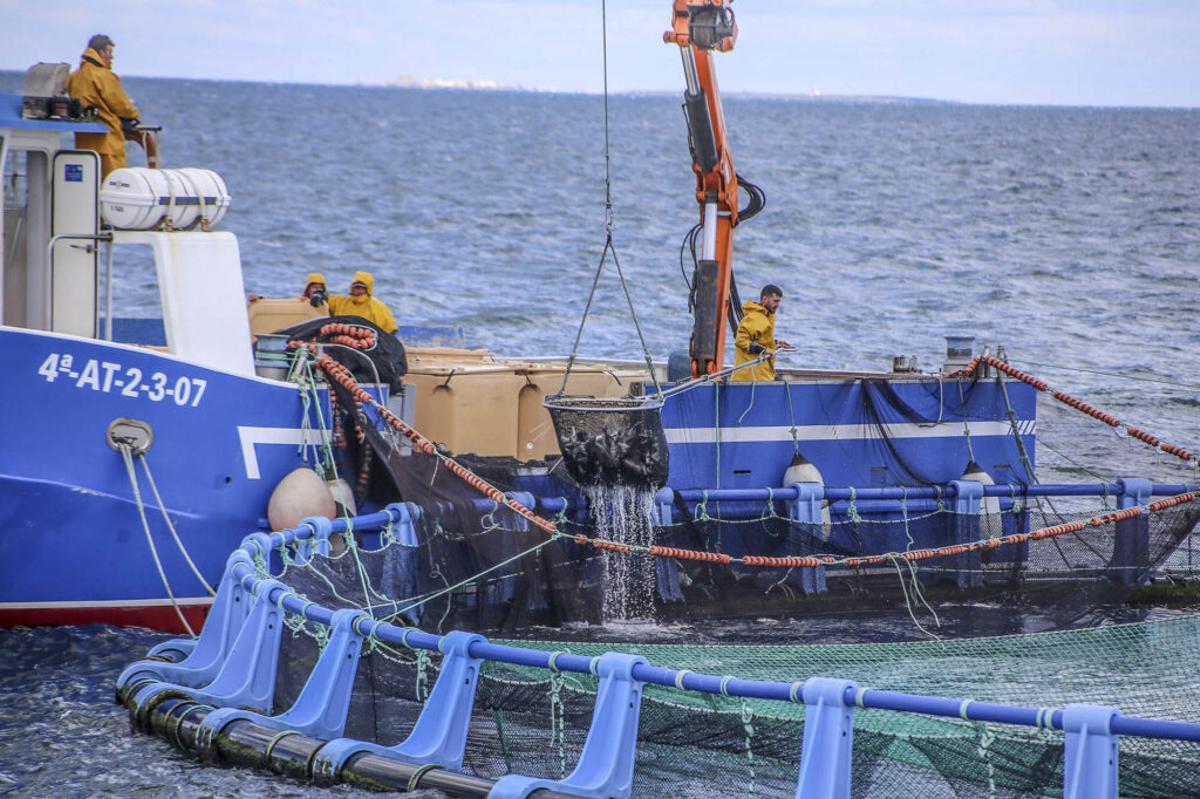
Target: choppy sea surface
x: 1069, y: 235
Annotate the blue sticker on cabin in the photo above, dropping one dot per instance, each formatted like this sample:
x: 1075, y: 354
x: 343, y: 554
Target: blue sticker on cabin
x: 73, y: 173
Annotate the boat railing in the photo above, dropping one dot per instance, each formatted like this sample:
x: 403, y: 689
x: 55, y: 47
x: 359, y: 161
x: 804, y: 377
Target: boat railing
x: 192, y: 697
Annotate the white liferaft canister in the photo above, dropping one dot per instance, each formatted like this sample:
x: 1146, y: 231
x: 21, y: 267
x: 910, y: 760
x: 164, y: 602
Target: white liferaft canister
x: 139, y: 198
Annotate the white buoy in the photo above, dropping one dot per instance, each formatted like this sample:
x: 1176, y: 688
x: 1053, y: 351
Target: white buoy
x: 992, y: 523
x: 343, y: 495
x: 802, y: 470
x: 299, y: 495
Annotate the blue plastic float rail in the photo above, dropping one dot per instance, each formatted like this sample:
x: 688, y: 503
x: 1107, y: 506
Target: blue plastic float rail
x: 704, y: 683
x: 1091, y: 732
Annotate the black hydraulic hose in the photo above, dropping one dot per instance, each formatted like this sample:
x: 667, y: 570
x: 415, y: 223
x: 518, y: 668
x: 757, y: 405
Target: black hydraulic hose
x: 758, y: 200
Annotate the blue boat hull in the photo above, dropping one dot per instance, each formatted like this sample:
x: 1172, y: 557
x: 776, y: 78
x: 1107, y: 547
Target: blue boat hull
x: 73, y: 548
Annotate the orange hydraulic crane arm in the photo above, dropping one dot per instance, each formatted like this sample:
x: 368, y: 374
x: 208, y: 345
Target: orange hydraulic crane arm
x: 699, y: 27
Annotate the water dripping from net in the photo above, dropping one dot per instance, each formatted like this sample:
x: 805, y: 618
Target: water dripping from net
x: 625, y: 514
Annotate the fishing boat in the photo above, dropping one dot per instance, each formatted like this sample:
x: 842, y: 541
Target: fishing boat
x: 137, y: 455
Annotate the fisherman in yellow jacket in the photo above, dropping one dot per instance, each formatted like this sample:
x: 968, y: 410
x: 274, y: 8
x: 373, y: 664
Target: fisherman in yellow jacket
x: 95, y: 85
x: 361, y: 303
x: 756, y: 335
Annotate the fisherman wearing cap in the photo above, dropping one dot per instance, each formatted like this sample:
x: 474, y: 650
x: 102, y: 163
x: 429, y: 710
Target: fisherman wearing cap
x: 95, y: 85
x: 361, y: 303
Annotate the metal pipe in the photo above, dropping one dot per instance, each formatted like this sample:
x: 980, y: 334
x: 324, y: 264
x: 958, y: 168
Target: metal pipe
x: 690, y: 76
x: 709, y: 249
x: 108, y: 292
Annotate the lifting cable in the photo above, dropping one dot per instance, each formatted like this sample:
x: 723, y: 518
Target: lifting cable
x: 609, y: 247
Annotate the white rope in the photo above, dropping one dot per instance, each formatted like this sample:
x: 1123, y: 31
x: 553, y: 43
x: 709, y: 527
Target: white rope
x: 175, y: 535
x: 127, y: 455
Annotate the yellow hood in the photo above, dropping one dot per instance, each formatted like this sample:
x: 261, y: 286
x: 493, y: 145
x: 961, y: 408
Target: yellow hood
x: 368, y: 280
x: 315, y: 277
x: 750, y: 306
x: 92, y: 57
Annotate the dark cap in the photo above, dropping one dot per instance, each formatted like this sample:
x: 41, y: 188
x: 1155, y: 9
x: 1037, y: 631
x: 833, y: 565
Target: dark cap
x: 99, y: 42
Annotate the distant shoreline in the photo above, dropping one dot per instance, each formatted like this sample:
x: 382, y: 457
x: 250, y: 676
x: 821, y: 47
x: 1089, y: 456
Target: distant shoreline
x: 489, y: 88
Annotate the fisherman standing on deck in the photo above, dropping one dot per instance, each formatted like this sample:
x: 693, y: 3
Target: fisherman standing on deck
x: 361, y: 303
x: 95, y: 85
x: 756, y: 335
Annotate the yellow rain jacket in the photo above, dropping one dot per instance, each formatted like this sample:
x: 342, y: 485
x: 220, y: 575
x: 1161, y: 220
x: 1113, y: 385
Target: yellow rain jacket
x: 757, y: 327
x: 364, y: 305
x: 95, y: 85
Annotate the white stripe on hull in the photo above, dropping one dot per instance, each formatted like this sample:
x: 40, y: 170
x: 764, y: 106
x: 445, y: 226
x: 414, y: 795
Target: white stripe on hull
x: 843, y: 432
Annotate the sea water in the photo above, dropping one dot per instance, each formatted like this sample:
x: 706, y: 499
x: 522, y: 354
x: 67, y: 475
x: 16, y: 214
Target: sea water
x: 1070, y: 235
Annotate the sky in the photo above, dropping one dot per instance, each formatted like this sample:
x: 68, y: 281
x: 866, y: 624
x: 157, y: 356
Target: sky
x: 1057, y: 52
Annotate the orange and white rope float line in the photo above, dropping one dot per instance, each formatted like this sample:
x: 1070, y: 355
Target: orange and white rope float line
x: 1079, y: 405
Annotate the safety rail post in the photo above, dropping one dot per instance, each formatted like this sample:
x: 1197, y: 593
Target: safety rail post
x: 1090, y: 770
x: 806, y: 509
x: 203, y: 657
x: 605, y: 767
x: 246, y: 677
x: 439, y: 738
x: 964, y: 529
x: 1130, y: 563
x: 828, y: 745
x: 320, y: 709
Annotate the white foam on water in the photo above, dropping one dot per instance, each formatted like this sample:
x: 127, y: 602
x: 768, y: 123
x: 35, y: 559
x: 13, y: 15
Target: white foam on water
x: 626, y: 515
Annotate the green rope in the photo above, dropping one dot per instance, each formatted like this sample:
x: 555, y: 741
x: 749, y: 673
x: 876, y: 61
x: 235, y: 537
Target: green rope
x: 852, y: 508
x: 748, y: 729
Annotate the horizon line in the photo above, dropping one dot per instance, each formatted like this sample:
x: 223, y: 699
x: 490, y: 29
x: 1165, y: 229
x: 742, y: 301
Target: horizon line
x: 734, y: 93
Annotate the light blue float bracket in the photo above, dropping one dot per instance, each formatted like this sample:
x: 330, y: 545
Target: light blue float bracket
x: 247, y: 677
x: 666, y: 570
x: 318, y: 542
x: 209, y: 651
x: 1090, y: 771
x: 440, y: 734
x: 605, y: 767
x: 806, y: 509
x: 964, y: 528
x: 520, y: 523
x: 664, y: 503
x: 320, y: 709
x: 404, y: 516
x: 1131, y: 542
x: 828, y: 739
